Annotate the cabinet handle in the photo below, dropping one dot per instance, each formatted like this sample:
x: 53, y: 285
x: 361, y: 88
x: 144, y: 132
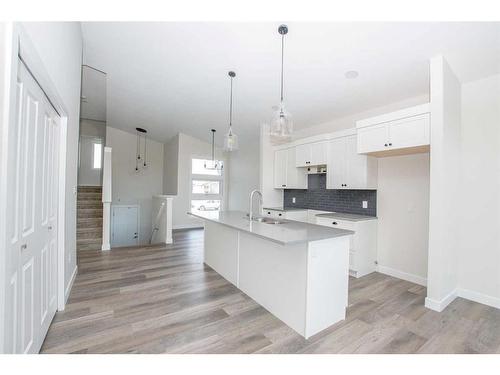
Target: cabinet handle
x: 334, y: 223
x: 269, y: 212
x: 24, y: 246
x: 385, y: 145
x: 390, y: 144
x: 279, y: 214
x: 283, y: 185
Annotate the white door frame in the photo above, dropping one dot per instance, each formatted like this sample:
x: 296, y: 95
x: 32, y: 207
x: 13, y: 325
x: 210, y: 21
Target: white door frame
x: 18, y: 44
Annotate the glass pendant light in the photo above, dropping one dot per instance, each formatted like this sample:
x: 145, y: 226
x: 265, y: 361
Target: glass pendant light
x: 231, y: 139
x: 281, y: 126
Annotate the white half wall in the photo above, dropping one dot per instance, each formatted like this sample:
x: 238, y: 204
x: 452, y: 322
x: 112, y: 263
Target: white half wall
x: 171, y: 166
x: 403, y: 216
x: 59, y: 46
x: 444, y: 195
x: 479, y: 238
x: 129, y: 187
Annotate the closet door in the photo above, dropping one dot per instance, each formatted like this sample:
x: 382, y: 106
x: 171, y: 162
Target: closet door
x: 31, y: 225
x: 125, y: 228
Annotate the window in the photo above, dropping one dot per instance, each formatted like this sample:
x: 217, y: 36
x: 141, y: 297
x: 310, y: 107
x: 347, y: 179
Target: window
x: 97, y: 155
x: 206, y: 187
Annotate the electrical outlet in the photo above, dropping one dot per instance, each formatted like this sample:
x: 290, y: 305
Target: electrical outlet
x: 293, y: 200
x: 365, y: 204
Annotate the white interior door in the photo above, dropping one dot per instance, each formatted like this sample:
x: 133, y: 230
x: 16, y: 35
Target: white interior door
x: 125, y: 229
x: 32, y: 209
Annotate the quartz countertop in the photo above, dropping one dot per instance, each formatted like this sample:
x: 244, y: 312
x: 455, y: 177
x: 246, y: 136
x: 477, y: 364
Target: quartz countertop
x: 345, y: 216
x: 284, y: 209
x: 288, y: 233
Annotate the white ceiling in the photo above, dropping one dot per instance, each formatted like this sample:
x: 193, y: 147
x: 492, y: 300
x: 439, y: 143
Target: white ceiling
x: 172, y: 77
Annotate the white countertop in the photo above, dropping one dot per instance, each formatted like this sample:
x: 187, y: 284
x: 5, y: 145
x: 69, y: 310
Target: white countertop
x: 288, y: 233
x: 284, y: 209
x: 344, y: 216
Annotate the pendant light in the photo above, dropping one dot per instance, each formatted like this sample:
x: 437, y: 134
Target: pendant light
x: 138, y: 163
x: 281, y: 123
x: 231, y: 139
x: 213, y: 164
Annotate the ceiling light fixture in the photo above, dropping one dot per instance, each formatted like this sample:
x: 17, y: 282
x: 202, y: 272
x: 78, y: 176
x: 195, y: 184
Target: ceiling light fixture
x: 351, y: 74
x: 281, y: 124
x: 231, y: 139
x: 213, y: 164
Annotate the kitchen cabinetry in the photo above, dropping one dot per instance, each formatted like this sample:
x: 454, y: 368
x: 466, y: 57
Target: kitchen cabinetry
x: 401, y: 132
x: 296, y: 215
x: 310, y: 154
x: 286, y: 174
x: 346, y: 169
x: 362, y: 245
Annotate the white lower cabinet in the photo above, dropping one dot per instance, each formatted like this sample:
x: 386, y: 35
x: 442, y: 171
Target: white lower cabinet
x: 362, y: 246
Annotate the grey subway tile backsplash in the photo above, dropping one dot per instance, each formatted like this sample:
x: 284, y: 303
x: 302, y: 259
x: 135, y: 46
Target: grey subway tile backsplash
x: 317, y: 197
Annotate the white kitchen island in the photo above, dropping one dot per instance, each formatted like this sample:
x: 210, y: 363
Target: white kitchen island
x: 297, y: 271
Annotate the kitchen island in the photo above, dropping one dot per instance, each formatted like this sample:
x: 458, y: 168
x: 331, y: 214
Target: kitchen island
x: 297, y: 271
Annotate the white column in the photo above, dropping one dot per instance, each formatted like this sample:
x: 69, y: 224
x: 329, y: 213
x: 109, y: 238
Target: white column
x: 106, y: 199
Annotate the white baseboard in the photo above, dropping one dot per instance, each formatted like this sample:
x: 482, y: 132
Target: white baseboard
x: 440, y: 305
x: 187, y: 226
x: 105, y: 247
x: 402, y: 275
x: 70, y: 285
x: 479, y: 297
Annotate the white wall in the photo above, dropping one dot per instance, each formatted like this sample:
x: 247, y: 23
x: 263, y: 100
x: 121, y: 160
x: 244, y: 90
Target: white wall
x: 444, y: 194
x: 403, y: 216
x: 244, y: 174
x: 190, y: 147
x: 130, y: 187
x: 59, y: 46
x: 479, y: 239
x: 171, y: 166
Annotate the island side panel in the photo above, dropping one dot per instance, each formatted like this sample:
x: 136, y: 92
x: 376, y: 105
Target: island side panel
x: 275, y: 276
x: 327, y: 281
x: 221, y: 250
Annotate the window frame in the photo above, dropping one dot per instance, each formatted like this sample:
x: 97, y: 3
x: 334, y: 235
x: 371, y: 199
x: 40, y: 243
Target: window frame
x: 206, y: 177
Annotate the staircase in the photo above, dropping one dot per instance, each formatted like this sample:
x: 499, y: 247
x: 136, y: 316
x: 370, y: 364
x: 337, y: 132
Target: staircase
x: 89, y: 218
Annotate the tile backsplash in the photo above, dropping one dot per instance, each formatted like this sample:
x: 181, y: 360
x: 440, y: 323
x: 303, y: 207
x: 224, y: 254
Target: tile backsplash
x: 317, y: 197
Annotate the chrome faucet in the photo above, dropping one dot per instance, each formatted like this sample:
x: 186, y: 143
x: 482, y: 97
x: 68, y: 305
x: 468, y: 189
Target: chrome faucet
x: 250, y: 214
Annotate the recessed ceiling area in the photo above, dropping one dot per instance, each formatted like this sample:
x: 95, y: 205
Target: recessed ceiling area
x: 172, y: 77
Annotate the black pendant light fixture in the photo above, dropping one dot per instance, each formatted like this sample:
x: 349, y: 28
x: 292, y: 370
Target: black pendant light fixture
x: 213, y: 164
x: 140, y: 161
x: 281, y: 126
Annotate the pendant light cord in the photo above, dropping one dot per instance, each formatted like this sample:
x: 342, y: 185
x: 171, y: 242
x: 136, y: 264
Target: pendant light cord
x: 145, y: 149
x: 231, y: 106
x: 213, y: 143
x: 282, y: 53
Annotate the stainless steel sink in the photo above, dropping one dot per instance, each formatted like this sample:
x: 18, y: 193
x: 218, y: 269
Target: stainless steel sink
x: 267, y: 220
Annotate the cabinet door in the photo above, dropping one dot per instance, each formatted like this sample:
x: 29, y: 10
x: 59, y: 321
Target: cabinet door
x: 318, y: 153
x: 296, y: 178
x: 303, y: 155
x: 409, y: 132
x: 355, y: 165
x: 373, y: 138
x: 280, y: 165
x: 335, y: 169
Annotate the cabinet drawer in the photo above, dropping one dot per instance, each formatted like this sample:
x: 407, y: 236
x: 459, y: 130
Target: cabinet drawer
x: 336, y: 223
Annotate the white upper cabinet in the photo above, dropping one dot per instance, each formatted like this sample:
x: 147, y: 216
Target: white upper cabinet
x: 346, y: 169
x: 310, y: 154
x: 286, y: 174
x: 400, y: 132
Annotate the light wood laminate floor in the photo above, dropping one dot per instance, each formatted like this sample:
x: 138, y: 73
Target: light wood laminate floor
x: 165, y: 300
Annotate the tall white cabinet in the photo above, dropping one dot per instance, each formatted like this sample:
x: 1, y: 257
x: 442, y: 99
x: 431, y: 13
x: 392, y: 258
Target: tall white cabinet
x: 346, y: 169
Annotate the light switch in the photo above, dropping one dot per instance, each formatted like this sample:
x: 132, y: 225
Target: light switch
x: 293, y: 200
x: 365, y: 204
